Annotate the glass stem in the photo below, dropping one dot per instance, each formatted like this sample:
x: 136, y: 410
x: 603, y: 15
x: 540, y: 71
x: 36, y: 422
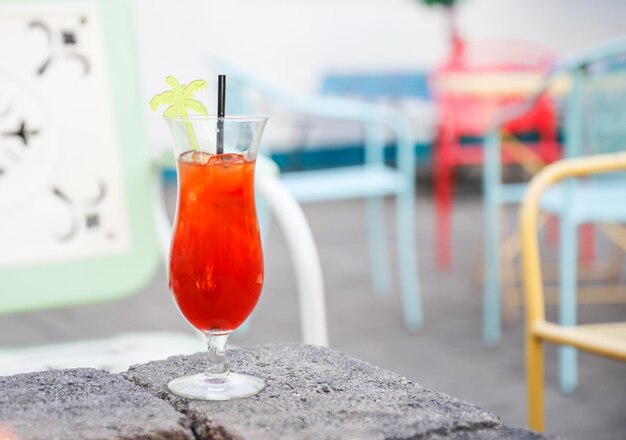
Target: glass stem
x: 216, y: 343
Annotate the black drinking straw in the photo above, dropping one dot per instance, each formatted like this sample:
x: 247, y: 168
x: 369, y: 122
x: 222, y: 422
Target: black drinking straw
x: 221, y: 107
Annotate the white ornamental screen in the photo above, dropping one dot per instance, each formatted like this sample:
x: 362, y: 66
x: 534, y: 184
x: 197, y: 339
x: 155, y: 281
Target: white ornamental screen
x: 61, y: 183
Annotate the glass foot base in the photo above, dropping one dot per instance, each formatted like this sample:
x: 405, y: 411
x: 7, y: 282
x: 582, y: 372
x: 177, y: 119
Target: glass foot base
x: 226, y: 387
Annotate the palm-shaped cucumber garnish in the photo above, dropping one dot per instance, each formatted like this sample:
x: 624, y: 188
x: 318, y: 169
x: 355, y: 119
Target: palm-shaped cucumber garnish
x: 179, y: 100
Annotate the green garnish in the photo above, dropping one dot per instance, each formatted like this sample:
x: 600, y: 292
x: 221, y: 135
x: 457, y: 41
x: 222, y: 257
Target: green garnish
x: 179, y: 100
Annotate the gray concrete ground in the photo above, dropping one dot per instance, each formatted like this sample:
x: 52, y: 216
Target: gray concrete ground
x: 447, y: 355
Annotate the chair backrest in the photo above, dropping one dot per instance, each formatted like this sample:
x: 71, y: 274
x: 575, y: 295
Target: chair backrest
x: 499, y: 54
x: 377, y: 85
x: 244, y: 87
x: 595, y: 117
x: 76, y: 208
x: 529, y: 215
x: 477, y: 81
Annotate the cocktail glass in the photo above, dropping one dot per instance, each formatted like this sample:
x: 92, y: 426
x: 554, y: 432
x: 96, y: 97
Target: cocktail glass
x: 216, y: 260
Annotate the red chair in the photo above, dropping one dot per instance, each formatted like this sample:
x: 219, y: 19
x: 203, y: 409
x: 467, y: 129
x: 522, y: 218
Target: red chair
x: 470, y: 87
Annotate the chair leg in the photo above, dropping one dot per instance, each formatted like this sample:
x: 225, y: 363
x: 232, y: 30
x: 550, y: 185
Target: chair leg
x: 443, y: 208
x: 407, y: 260
x: 534, y: 382
x: 381, y: 277
x: 493, y: 252
x: 567, y: 301
x: 588, y: 243
x: 493, y: 276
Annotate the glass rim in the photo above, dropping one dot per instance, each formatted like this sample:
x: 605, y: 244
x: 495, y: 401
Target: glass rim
x: 228, y: 118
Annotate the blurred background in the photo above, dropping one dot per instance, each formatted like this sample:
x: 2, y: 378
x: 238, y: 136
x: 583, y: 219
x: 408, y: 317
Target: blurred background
x: 394, y: 62
x: 297, y: 45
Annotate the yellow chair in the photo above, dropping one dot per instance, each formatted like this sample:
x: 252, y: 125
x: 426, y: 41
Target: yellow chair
x: 602, y: 339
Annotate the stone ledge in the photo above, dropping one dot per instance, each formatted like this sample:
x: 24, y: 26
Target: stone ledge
x: 312, y: 393
x: 84, y: 404
x: 318, y: 393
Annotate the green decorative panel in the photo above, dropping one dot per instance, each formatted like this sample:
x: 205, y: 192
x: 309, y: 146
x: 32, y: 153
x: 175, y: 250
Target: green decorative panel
x: 76, y: 214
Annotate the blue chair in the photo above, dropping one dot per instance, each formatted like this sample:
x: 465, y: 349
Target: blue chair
x: 594, y: 123
x: 373, y: 180
x: 377, y: 85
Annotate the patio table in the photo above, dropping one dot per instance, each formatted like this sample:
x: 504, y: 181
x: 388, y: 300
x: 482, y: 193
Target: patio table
x: 312, y: 393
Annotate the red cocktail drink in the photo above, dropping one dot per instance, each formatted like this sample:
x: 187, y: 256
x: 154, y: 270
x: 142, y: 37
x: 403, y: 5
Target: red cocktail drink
x: 216, y: 260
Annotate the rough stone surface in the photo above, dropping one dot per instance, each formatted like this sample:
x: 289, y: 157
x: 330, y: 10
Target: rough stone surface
x: 84, y: 404
x: 317, y: 393
x: 312, y: 393
x: 496, y: 433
